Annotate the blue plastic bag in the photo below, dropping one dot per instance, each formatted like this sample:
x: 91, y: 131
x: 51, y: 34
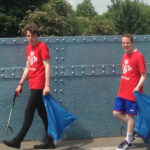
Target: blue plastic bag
x: 58, y: 118
x: 142, y: 125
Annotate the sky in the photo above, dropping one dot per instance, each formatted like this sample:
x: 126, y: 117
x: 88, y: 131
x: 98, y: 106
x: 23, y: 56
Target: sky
x: 99, y: 5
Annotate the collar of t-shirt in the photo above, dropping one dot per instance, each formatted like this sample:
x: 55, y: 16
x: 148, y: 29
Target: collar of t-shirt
x: 132, y: 52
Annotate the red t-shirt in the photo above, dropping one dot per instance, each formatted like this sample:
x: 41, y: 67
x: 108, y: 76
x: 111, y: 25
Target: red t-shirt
x: 35, y: 56
x: 132, y: 65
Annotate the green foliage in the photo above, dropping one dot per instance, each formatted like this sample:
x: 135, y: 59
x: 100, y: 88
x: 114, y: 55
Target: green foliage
x: 57, y: 18
x: 101, y: 26
x: 8, y: 25
x: 11, y: 14
x: 130, y: 16
x: 86, y: 9
x: 79, y: 25
x: 93, y: 24
x: 115, y: 5
x: 53, y: 18
x: 142, y: 25
x: 62, y: 7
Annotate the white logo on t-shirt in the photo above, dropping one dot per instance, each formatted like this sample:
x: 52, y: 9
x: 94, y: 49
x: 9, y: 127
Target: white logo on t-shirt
x: 126, y: 67
x: 31, y: 58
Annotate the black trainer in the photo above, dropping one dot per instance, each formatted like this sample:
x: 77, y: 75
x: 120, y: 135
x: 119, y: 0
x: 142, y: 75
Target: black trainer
x: 124, y: 146
x: 135, y: 136
x: 12, y: 143
x: 46, y: 145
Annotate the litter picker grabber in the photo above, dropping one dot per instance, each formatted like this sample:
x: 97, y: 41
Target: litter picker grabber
x: 10, y: 114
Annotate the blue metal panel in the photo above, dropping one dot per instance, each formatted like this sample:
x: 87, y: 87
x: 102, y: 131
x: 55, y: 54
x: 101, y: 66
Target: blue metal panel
x: 85, y: 79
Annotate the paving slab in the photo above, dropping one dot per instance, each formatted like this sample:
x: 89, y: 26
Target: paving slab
x: 106, y: 143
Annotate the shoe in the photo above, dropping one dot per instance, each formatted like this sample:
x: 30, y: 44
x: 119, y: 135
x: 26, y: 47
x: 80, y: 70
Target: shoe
x: 124, y: 146
x: 46, y: 145
x: 12, y: 143
x: 135, y: 136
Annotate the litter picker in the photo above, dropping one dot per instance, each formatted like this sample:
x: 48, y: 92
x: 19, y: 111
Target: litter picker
x: 10, y: 114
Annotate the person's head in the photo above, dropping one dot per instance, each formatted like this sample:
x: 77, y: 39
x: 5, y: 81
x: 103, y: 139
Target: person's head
x: 32, y: 33
x: 127, y: 43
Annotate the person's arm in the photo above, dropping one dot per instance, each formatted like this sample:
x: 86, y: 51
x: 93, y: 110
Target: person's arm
x: 46, y: 89
x: 23, y: 78
x: 141, y: 82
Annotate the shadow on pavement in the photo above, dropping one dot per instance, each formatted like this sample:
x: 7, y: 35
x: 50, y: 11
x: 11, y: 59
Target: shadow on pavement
x: 141, y: 145
x: 74, y: 144
x: 74, y: 148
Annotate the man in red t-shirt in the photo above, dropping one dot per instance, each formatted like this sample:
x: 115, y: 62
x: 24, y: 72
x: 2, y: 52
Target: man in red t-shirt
x: 132, y: 79
x: 37, y: 71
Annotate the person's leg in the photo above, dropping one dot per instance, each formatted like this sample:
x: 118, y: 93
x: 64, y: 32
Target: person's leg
x: 42, y: 113
x: 130, y: 128
x: 28, y: 118
x: 126, y: 144
x: 119, y: 109
x: 48, y: 142
x: 130, y: 111
x: 121, y: 116
x: 130, y: 123
x: 29, y: 114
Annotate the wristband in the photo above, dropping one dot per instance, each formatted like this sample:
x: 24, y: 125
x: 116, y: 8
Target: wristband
x: 21, y: 84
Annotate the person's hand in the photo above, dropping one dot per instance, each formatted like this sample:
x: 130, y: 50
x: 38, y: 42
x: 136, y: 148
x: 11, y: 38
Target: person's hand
x: 18, y: 90
x: 46, y: 90
x: 136, y: 89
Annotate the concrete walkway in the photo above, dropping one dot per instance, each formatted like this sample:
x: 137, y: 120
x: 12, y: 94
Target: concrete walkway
x: 108, y: 143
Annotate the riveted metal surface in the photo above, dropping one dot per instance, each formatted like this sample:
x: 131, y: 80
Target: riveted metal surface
x: 85, y: 75
x: 11, y: 72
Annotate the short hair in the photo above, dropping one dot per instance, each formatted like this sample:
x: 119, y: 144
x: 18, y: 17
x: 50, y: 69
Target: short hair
x: 128, y: 36
x: 33, y: 29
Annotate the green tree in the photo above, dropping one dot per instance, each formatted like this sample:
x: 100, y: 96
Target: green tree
x: 130, y: 16
x: 80, y: 25
x: 53, y: 18
x: 115, y: 5
x: 11, y: 14
x: 85, y: 9
x: 100, y: 26
x: 142, y: 25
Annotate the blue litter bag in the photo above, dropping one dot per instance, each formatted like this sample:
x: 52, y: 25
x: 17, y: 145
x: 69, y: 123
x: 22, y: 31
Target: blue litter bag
x: 58, y: 118
x: 142, y: 125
